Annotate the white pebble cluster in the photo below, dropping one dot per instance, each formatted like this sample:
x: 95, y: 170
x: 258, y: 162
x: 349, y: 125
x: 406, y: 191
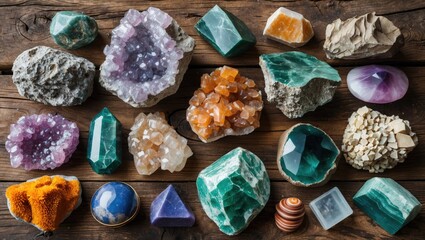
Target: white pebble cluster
x: 373, y: 141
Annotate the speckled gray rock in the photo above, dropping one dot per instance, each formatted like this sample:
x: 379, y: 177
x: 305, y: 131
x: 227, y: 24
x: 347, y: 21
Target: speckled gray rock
x: 53, y: 77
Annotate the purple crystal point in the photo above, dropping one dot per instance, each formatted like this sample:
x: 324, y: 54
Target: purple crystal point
x: 377, y: 84
x: 168, y: 210
x: 147, y: 58
x: 41, y: 141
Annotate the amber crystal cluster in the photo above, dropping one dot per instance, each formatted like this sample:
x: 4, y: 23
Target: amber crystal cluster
x: 226, y: 104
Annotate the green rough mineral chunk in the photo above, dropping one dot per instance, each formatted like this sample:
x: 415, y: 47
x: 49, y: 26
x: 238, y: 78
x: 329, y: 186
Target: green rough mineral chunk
x: 233, y: 190
x: 225, y: 32
x: 104, y: 143
x: 296, y: 69
x: 307, y: 156
x: 72, y: 30
x: 388, y: 203
x: 297, y: 82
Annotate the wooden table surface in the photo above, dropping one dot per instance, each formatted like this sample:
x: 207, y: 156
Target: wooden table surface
x: 25, y: 24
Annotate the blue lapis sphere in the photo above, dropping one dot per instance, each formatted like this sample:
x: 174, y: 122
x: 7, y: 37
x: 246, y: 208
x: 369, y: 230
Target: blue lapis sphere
x: 115, y: 204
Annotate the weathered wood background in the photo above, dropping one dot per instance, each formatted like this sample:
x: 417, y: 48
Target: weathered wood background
x: 25, y: 24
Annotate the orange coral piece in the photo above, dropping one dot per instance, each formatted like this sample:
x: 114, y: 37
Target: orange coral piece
x: 44, y: 202
x: 231, y: 105
x: 289, y: 27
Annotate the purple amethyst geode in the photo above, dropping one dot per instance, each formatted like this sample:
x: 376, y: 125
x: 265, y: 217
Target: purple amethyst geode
x: 41, y: 141
x: 147, y: 58
x: 377, y: 83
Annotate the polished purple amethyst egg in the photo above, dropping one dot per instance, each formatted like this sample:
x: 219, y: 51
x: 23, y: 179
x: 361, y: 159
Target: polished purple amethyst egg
x: 377, y: 83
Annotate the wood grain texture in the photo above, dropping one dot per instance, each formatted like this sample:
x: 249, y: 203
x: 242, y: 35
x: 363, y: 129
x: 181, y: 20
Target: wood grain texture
x: 82, y: 224
x: 27, y: 23
x: 331, y: 117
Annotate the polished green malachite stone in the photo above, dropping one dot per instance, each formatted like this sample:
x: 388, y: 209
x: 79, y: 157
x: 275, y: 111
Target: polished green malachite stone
x: 233, y: 190
x: 296, y: 69
x: 104, y: 143
x: 72, y: 30
x: 308, y: 155
x: 388, y: 203
x: 225, y: 32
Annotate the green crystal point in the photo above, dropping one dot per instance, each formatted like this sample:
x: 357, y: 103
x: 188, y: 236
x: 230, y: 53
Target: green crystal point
x: 225, y: 32
x: 72, y: 30
x: 104, y: 143
x: 307, y: 156
x: 296, y: 69
x: 388, y: 203
x: 233, y: 190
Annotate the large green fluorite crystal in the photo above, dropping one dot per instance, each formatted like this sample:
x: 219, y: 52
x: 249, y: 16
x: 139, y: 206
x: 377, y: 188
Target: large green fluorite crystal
x: 307, y: 156
x: 233, y: 190
x: 72, y: 30
x: 388, y: 203
x: 104, y: 143
x: 225, y: 32
x: 298, y: 82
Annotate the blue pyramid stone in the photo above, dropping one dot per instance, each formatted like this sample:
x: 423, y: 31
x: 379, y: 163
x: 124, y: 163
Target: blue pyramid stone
x: 168, y: 210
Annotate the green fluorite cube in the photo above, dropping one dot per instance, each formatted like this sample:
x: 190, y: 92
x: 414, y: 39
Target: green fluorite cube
x: 72, y: 30
x: 225, y: 32
x: 307, y: 156
x: 388, y: 203
x: 233, y: 190
x: 104, y: 143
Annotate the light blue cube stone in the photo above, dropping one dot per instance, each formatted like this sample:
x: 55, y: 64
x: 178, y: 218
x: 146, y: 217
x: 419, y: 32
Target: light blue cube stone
x: 330, y: 208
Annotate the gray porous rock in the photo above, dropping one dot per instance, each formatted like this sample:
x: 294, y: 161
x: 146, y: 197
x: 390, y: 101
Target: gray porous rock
x: 53, y: 77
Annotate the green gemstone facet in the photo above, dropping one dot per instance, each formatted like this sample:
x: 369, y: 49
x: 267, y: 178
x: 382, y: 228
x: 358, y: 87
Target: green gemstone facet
x: 104, y: 143
x: 225, y: 32
x: 307, y: 156
x: 296, y: 69
x: 233, y: 190
x: 72, y: 30
x: 388, y: 203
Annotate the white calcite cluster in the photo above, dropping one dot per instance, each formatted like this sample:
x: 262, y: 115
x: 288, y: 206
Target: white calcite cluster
x: 155, y: 144
x: 373, y: 141
x: 147, y: 58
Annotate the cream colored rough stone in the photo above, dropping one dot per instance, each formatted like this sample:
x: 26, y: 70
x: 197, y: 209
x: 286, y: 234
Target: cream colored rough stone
x: 361, y: 37
x: 373, y: 141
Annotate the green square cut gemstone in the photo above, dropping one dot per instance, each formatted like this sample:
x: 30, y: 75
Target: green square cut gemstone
x: 104, y: 143
x: 225, y: 32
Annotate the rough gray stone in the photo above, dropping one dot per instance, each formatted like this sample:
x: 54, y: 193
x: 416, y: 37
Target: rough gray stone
x: 53, y: 77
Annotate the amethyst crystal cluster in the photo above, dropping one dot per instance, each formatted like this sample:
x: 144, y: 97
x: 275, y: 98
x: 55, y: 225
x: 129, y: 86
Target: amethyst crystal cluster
x: 41, y: 141
x: 147, y: 58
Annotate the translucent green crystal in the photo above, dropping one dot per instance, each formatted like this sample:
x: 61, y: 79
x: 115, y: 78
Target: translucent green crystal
x: 296, y: 69
x: 104, y: 143
x: 233, y: 190
x: 308, y: 155
x: 388, y: 203
x: 225, y: 32
x: 72, y: 30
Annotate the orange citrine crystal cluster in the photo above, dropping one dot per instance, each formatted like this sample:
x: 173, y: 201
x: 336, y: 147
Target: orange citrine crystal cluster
x: 288, y: 27
x: 44, y: 202
x: 226, y: 104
